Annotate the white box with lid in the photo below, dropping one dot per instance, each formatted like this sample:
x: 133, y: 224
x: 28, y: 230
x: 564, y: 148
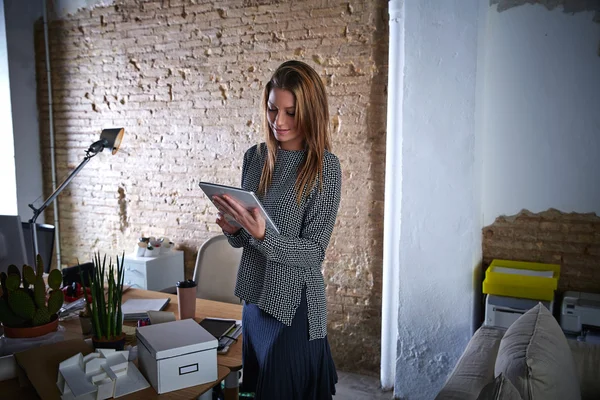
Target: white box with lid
x: 175, y: 355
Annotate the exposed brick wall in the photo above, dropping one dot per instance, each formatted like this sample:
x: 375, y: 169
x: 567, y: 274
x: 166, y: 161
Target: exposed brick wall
x: 571, y: 240
x: 184, y: 78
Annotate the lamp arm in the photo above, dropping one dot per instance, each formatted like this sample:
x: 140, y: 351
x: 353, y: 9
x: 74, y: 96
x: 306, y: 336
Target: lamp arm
x: 60, y: 188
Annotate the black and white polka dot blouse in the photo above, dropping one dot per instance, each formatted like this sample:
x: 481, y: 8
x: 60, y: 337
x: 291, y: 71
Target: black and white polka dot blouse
x: 273, y: 271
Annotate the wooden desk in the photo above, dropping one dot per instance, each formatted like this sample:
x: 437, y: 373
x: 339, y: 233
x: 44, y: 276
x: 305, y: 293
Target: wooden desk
x: 204, y: 309
x: 228, y: 363
x: 183, y: 394
x: 10, y: 389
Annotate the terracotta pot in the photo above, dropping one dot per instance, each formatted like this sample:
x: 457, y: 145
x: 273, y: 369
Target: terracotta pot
x: 31, y: 332
x: 117, y: 343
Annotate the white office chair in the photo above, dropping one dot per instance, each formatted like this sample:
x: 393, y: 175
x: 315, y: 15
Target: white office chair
x: 216, y: 273
x: 216, y: 270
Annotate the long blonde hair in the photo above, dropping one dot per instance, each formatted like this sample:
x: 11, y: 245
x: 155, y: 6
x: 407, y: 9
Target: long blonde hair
x: 312, y: 121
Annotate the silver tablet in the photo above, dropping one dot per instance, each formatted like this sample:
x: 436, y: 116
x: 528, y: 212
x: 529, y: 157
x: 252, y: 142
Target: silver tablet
x: 247, y: 198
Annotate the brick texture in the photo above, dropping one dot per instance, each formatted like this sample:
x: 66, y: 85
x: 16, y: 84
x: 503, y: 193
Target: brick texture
x: 184, y: 78
x: 571, y: 240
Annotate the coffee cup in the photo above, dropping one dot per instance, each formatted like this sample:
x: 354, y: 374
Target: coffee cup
x: 186, y: 299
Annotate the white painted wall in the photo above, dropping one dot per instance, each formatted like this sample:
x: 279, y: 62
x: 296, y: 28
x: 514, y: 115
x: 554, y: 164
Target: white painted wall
x: 8, y: 199
x: 440, y: 240
x: 541, y: 144
x: 21, y: 17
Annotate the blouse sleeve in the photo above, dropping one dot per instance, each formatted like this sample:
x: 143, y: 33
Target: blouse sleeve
x: 241, y: 237
x: 308, y: 250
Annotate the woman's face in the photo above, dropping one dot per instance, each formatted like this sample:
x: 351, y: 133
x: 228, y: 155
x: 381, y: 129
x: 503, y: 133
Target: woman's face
x: 281, y: 107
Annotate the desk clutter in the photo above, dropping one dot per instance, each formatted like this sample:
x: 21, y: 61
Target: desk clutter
x: 170, y: 356
x: 160, y: 355
x: 514, y: 287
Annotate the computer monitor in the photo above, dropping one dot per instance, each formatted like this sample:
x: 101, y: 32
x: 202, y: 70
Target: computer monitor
x: 45, y: 239
x: 12, y: 244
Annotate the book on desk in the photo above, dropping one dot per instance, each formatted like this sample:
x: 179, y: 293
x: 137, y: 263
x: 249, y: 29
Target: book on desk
x: 226, y: 331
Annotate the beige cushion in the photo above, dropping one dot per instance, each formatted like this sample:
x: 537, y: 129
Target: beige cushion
x: 587, y: 365
x: 535, y: 356
x: 499, y: 389
x: 475, y: 368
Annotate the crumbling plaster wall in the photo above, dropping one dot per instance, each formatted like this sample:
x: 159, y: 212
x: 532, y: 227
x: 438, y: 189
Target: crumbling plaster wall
x: 184, y: 78
x: 541, y: 144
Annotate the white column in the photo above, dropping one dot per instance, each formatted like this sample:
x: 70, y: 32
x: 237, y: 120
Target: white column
x: 393, y: 196
x: 440, y: 231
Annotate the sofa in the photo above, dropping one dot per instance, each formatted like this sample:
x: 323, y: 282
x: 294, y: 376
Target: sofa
x: 531, y: 360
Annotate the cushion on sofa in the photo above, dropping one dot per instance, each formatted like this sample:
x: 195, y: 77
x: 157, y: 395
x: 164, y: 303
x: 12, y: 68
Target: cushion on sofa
x: 475, y: 368
x: 587, y: 365
x: 499, y: 389
x: 535, y: 356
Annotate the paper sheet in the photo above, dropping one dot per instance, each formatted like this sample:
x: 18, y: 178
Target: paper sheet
x: 526, y: 272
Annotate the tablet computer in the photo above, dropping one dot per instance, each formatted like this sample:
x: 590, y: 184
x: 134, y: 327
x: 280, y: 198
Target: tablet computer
x: 247, y: 198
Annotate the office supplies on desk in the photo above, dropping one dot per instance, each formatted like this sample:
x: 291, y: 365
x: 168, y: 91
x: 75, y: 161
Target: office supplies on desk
x: 246, y: 198
x: 134, y: 309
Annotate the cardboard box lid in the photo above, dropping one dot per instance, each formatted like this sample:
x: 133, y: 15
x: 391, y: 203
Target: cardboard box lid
x: 175, y: 338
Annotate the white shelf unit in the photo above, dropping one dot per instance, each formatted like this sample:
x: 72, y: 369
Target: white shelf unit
x: 154, y: 273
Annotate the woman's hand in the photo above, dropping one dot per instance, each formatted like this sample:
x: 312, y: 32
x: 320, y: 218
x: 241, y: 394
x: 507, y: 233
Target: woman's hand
x: 252, y: 221
x: 226, y: 226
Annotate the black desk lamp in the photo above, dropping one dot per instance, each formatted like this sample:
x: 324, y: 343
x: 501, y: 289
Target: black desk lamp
x: 109, y: 139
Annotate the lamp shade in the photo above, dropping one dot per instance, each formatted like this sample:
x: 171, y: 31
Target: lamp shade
x: 112, y: 138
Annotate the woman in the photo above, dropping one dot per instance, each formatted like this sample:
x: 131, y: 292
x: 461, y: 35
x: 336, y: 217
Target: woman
x: 286, y: 354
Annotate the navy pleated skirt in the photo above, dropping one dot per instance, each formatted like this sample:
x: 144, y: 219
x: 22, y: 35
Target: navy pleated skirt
x: 279, y: 362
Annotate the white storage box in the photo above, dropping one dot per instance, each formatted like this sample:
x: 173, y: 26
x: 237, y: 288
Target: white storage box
x: 176, y: 355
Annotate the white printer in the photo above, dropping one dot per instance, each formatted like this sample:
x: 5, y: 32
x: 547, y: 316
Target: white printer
x: 580, y: 311
x: 501, y: 311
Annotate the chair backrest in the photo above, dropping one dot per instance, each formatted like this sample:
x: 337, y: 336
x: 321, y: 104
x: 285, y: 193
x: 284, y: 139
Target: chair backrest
x: 216, y: 270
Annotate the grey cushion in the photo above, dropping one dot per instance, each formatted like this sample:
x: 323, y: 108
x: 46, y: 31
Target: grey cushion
x: 475, y: 368
x: 535, y: 356
x: 587, y: 365
x: 500, y: 389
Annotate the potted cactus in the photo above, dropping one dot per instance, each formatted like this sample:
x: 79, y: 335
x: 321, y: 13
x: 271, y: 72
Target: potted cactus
x: 26, y: 308
x: 106, y: 287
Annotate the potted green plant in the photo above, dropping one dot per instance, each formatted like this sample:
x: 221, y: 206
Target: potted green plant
x: 106, y: 288
x: 26, y: 309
